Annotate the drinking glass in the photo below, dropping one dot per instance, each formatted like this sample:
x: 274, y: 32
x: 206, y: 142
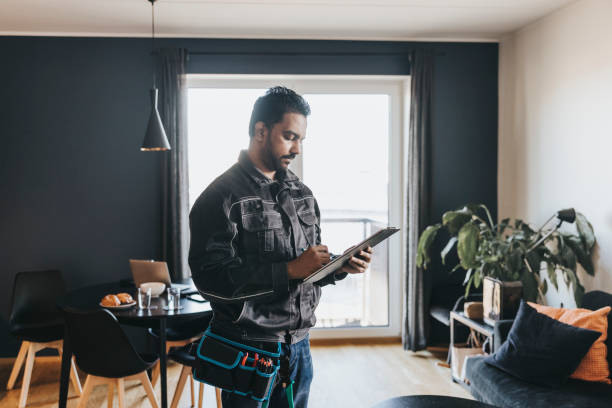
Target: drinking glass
x: 144, y: 298
x: 174, y: 298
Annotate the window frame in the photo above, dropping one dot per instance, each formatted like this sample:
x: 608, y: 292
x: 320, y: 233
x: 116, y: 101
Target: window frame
x: 398, y: 89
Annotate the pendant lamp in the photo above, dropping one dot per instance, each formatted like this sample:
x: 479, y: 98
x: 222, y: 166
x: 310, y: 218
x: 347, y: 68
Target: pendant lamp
x: 155, y: 139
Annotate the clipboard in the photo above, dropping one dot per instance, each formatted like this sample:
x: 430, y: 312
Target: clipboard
x: 340, y: 260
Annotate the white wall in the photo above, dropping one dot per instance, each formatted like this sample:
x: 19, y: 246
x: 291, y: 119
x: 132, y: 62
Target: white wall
x: 555, y: 136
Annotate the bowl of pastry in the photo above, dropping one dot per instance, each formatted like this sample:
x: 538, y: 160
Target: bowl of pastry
x: 118, y: 301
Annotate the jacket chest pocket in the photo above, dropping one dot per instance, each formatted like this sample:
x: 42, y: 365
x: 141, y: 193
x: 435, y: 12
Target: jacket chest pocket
x: 305, y: 208
x: 262, y: 226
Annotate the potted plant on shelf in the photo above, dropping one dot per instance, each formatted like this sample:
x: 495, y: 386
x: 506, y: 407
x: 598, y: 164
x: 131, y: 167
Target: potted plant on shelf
x: 512, y: 251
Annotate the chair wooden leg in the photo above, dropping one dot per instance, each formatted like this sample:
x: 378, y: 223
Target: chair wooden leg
x: 155, y: 374
x: 200, y: 394
x: 74, y: 377
x: 89, y: 384
x: 121, y: 392
x: 144, y: 379
x: 192, y: 385
x: 179, y: 386
x: 110, y: 394
x: 27, y: 374
x: 23, y: 352
x: 218, y: 395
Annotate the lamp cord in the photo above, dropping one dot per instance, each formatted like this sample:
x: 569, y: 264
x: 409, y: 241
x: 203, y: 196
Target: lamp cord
x: 153, y: 41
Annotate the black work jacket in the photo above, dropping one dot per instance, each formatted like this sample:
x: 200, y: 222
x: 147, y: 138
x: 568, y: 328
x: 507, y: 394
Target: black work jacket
x: 244, y: 229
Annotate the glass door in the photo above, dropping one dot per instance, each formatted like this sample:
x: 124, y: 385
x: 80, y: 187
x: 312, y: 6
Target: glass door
x: 352, y: 160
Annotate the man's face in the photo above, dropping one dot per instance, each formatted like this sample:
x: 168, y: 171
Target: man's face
x: 283, y: 141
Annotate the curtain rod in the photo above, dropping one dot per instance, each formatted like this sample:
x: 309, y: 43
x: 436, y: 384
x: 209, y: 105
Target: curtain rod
x: 300, y: 54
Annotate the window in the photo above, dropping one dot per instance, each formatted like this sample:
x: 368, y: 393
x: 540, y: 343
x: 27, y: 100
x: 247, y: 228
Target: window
x: 351, y: 160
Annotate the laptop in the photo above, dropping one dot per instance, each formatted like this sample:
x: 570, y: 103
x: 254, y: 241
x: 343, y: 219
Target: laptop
x: 144, y: 270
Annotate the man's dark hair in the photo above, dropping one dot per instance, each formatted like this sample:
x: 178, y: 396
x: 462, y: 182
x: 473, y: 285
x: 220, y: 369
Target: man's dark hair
x: 271, y: 107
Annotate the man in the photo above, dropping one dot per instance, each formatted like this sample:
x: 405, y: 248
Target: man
x: 255, y: 235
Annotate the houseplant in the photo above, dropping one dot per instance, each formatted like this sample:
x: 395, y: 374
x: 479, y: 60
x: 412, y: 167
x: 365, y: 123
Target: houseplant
x: 503, y: 251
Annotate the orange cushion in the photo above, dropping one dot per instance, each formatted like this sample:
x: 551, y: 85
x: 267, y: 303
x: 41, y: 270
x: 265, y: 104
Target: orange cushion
x: 594, y: 365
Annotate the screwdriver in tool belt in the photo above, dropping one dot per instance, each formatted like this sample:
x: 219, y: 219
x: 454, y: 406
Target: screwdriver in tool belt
x: 269, y: 368
x: 263, y: 363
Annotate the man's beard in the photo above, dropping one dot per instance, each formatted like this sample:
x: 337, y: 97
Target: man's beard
x: 275, y: 163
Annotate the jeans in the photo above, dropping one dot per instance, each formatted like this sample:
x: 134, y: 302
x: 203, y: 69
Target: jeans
x: 300, y: 367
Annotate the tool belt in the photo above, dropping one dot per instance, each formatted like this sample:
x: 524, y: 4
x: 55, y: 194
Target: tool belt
x: 236, y: 367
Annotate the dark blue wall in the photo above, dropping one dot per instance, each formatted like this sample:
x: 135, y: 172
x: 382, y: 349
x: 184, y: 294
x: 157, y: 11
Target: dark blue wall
x: 77, y: 194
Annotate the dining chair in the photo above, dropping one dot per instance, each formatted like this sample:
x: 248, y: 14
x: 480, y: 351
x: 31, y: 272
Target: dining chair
x: 104, y: 352
x: 38, y: 323
x: 186, y: 357
x: 181, y: 334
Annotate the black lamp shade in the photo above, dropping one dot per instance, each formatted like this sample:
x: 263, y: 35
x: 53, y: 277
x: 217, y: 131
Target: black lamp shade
x: 567, y: 215
x: 155, y: 138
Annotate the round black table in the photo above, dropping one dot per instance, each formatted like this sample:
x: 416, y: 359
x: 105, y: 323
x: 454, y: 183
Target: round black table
x: 431, y: 401
x: 88, y: 298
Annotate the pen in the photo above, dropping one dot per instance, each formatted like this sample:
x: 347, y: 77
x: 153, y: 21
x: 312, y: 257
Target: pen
x: 244, y: 359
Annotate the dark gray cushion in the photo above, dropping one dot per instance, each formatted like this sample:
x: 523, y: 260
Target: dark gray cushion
x: 493, y: 386
x: 542, y: 350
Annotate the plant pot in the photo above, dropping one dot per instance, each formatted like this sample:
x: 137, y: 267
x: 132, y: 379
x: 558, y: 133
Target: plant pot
x: 500, y: 299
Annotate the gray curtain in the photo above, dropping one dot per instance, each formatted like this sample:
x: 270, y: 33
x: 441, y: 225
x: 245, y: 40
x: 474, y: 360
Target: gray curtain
x: 416, y: 325
x: 175, y: 183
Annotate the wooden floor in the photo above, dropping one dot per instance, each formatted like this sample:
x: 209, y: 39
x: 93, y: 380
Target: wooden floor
x: 345, y: 376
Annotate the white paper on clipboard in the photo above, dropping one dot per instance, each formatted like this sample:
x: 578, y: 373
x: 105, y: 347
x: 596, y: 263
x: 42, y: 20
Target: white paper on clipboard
x: 338, y: 262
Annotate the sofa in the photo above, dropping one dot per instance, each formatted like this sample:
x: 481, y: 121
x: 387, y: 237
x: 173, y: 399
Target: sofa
x: 493, y: 386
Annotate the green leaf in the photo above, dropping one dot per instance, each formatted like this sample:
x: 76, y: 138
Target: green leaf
x: 503, y: 225
x: 514, y: 261
x: 578, y: 288
x: 468, y: 276
x: 467, y: 244
x: 552, y: 275
x: 568, y: 258
x: 454, y: 220
x: 450, y: 244
x: 530, y: 286
x: 534, y: 260
x: 543, y: 287
x: 524, y: 227
x: 424, y: 245
x: 477, y: 278
x: 489, y: 218
x: 583, y: 257
x: 458, y: 266
x: 585, y: 230
x: 566, y: 276
x: 472, y: 207
x: 468, y: 287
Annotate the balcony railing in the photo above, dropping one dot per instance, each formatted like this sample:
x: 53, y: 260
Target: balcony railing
x: 360, y: 300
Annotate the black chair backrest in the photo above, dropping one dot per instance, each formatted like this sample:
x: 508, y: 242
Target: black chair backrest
x: 35, y: 295
x: 100, y: 345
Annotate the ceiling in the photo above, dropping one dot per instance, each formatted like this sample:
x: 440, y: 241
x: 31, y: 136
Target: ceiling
x: 443, y: 20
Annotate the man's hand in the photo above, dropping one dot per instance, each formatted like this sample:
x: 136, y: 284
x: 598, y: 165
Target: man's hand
x: 311, y: 260
x: 358, y: 263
